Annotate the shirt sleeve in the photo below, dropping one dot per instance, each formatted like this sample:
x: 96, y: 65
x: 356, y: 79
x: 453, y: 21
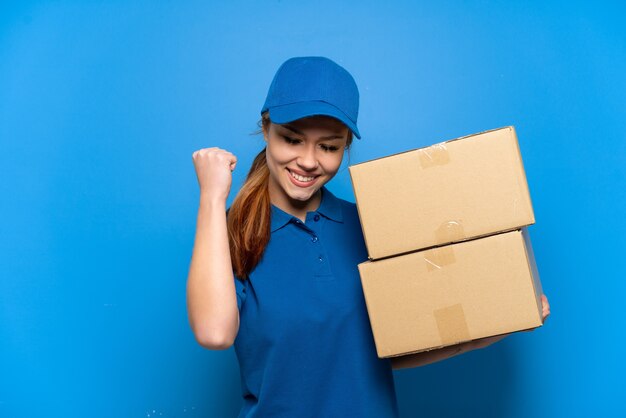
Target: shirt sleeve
x: 240, y: 287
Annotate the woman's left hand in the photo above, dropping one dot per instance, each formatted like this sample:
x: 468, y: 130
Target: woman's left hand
x: 545, y: 307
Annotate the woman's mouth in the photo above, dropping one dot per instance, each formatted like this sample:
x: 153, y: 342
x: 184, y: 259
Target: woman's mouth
x: 301, y: 181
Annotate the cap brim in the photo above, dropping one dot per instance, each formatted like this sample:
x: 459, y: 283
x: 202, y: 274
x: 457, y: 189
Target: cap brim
x: 290, y: 112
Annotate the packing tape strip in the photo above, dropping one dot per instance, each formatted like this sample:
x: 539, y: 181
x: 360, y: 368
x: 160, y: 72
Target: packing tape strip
x: 436, y: 258
x: 452, y: 324
x: 450, y: 231
x: 433, y: 156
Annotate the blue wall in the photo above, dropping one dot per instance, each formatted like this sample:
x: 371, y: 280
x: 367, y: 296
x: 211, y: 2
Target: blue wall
x: 102, y: 105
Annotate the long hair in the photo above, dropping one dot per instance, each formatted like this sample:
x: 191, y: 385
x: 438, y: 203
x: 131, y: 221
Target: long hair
x: 249, y: 216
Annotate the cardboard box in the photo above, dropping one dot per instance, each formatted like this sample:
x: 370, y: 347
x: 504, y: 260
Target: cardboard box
x: 451, y: 294
x: 449, y: 192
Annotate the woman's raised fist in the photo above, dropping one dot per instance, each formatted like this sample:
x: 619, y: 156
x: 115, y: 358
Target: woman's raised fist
x: 214, y: 167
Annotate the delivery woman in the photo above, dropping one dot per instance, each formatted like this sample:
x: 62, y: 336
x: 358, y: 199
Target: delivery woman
x: 276, y: 274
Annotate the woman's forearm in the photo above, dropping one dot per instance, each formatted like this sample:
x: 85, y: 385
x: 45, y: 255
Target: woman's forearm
x: 428, y: 357
x: 211, y: 295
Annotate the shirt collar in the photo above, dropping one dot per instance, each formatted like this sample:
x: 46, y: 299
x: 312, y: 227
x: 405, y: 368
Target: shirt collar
x: 330, y: 207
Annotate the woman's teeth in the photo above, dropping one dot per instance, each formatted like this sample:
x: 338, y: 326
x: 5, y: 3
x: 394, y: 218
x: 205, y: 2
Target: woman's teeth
x: 300, y: 178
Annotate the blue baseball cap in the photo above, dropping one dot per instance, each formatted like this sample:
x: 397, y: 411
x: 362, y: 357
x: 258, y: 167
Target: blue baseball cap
x: 308, y: 86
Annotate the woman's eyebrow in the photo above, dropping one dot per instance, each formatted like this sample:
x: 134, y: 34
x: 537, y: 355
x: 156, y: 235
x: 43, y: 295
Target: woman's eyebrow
x: 295, y: 131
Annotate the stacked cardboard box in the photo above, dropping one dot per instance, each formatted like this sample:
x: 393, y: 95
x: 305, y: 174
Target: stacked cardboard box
x: 450, y: 258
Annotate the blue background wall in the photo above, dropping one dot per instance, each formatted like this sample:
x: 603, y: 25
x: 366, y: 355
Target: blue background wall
x: 102, y: 105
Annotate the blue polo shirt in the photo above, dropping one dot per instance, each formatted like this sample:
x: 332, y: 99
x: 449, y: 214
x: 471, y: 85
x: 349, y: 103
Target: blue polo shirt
x: 305, y: 346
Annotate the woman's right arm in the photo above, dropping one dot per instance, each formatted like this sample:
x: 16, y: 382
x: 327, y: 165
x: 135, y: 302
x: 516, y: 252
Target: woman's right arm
x: 211, y: 296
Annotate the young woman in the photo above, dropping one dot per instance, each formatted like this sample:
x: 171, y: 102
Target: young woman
x: 276, y: 274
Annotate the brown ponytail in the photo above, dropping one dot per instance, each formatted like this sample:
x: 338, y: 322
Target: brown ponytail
x: 249, y: 216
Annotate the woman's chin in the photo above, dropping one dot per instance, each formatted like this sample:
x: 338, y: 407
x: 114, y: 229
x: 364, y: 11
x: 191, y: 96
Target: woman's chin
x: 301, y: 195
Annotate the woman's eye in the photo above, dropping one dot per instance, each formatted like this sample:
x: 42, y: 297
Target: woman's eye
x: 291, y: 140
x: 327, y: 148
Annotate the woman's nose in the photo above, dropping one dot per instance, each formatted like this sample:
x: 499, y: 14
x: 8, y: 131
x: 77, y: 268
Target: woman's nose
x: 308, y: 159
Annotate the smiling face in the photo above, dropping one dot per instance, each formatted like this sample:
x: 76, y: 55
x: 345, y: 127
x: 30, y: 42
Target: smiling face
x: 302, y: 156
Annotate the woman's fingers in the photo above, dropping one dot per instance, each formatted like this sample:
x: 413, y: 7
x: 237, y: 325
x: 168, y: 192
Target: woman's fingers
x: 546, y: 307
x: 213, y: 167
